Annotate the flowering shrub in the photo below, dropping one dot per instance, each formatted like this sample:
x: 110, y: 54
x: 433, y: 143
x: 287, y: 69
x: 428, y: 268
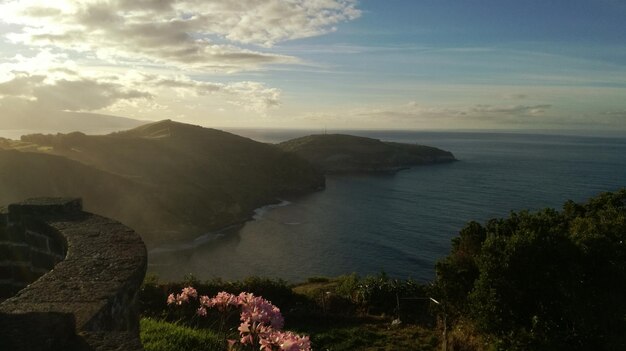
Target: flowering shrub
x: 261, y: 322
x: 184, y: 296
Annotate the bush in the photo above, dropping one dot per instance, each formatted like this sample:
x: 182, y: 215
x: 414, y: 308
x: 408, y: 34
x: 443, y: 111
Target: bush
x: 548, y: 280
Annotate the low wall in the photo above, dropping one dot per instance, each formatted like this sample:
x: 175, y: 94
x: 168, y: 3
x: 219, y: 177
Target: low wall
x: 68, y: 279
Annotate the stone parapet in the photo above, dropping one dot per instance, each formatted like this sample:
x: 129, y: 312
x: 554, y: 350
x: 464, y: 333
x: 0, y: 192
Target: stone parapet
x: 72, y: 274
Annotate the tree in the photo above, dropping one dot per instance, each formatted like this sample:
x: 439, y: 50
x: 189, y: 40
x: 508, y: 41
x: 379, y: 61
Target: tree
x: 544, y: 281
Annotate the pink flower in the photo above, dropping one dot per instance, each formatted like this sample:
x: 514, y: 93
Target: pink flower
x: 246, y: 339
x: 288, y: 341
x: 245, y: 298
x: 184, y: 296
x: 223, y: 300
x: 201, y: 311
x: 189, y: 292
x: 266, y: 344
x: 206, y: 301
x: 260, y: 320
x: 258, y: 310
x: 171, y: 299
x: 244, y: 327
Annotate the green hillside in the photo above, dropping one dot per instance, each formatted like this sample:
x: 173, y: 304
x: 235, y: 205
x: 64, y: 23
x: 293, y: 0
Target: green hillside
x: 339, y: 153
x: 27, y: 174
x: 164, y: 179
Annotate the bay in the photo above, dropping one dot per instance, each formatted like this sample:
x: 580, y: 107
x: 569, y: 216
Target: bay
x: 400, y: 224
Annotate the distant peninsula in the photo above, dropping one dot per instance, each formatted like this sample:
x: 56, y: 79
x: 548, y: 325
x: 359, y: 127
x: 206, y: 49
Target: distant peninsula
x: 173, y: 181
x: 340, y: 153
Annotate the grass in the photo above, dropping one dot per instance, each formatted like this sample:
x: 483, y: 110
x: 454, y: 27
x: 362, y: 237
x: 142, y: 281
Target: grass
x: 157, y: 335
x: 371, y: 337
x: 366, y: 334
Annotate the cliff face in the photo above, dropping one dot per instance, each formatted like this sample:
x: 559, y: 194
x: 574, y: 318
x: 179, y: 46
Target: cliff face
x: 163, y: 179
x: 338, y: 153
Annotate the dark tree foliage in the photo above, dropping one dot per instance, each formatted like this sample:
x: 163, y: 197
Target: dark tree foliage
x: 547, y: 280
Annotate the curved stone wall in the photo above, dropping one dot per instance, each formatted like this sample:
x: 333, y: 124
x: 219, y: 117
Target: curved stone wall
x: 70, y: 278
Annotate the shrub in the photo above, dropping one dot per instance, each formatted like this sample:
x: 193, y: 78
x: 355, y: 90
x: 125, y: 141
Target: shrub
x: 548, y: 280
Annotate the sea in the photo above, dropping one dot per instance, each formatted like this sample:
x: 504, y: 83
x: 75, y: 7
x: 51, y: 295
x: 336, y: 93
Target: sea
x: 400, y: 224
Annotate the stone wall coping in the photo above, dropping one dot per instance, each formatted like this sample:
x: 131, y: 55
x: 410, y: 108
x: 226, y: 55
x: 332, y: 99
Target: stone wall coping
x: 103, y: 269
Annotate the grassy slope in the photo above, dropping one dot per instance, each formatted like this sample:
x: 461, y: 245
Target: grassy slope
x: 27, y: 174
x: 184, y: 178
x: 158, y: 335
x: 354, y: 331
x: 67, y: 121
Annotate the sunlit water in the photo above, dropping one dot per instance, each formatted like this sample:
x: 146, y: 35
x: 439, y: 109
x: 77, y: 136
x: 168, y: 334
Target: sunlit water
x: 402, y: 224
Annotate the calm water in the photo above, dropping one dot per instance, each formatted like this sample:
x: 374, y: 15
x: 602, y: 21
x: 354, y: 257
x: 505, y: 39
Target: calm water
x: 402, y: 224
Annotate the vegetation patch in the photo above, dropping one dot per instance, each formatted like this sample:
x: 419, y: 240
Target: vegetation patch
x: 549, y: 280
x: 159, y: 335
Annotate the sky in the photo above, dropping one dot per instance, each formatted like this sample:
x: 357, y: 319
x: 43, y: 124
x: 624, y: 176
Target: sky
x: 338, y: 64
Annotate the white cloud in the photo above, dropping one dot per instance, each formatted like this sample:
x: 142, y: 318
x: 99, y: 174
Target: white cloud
x: 190, y: 34
x: 28, y: 84
x: 151, y: 58
x: 36, y: 92
x: 49, y: 82
x: 251, y: 96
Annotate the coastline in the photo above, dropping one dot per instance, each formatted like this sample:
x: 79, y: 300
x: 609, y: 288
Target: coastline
x: 212, y: 236
x: 216, y: 235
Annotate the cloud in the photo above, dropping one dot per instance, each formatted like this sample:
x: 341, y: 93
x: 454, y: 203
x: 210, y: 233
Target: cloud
x: 22, y: 85
x: 251, y: 96
x: 147, y: 58
x: 82, y: 94
x: 27, y: 85
x: 256, y: 97
x: 516, y: 110
x: 189, y: 34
